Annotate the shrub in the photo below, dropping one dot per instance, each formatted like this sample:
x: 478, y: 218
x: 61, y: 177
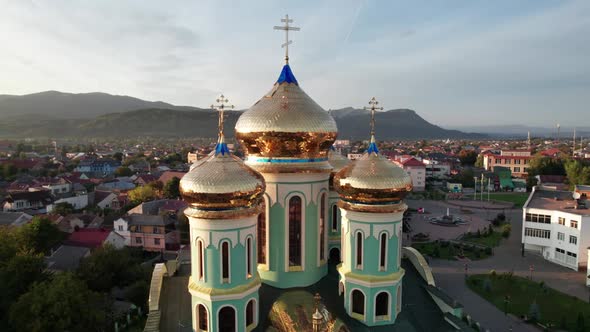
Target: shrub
x: 580, y: 326
x: 506, y: 230
x: 487, y: 285
x: 478, y: 234
x: 493, y: 273
x: 444, y: 244
x: 501, y: 217
x: 477, y: 253
x: 488, y: 251
x: 436, y: 251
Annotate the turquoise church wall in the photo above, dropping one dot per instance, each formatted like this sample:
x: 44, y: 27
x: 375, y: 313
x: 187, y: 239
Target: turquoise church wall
x: 213, y: 308
x: 277, y: 272
x: 369, y: 318
x: 334, y: 235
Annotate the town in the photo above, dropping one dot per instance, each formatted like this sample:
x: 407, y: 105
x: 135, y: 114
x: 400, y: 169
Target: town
x: 83, y: 204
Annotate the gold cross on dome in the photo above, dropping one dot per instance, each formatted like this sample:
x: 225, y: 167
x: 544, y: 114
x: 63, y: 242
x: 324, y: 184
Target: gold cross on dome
x: 373, y: 107
x: 286, y: 28
x: 222, y: 104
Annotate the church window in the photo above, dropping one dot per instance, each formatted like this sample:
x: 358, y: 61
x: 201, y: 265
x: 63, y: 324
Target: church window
x: 382, y: 251
x: 227, y: 319
x: 358, y: 302
x: 262, y: 235
x: 334, y: 218
x: 202, y: 318
x: 225, y: 261
x: 200, y: 258
x: 249, y: 257
x: 250, y: 312
x: 382, y: 305
x: 322, y: 232
x: 295, y: 231
x: 359, y: 250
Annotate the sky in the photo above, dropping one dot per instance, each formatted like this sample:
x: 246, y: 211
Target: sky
x: 456, y: 63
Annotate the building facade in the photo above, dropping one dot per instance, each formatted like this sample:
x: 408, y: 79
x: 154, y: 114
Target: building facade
x: 515, y: 160
x: 557, y: 225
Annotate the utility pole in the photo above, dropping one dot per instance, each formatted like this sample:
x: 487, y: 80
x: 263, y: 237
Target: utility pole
x: 574, y: 147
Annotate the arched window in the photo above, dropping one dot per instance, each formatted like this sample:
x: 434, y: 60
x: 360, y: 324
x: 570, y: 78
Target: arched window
x: 227, y: 319
x: 334, y: 218
x: 295, y: 231
x: 359, y: 250
x: 382, y: 305
x: 250, y: 313
x: 382, y: 251
x: 322, y: 223
x: 261, y: 228
x: 249, y: 257
x: 202, y: 319
x: 225, y: 261
x: 358, y: 302
x: 200, y: 259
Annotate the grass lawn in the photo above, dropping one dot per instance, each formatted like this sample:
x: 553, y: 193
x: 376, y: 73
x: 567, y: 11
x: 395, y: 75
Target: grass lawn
x: 517, y: 198
x: 492, y: 240
x: 445, y: 252
x: 554, y: 306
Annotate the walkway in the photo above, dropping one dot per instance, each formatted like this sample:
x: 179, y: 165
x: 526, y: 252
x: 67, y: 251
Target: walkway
x: 450, y: 275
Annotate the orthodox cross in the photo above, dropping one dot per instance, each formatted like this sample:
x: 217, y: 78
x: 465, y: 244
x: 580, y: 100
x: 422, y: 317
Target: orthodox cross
x: 373, y: 107
x: 222, y: 104
x: 286, y: 28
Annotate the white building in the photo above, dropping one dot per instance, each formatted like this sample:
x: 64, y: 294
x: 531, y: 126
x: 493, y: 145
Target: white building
x: 557, y: 225
x: 416, y: 170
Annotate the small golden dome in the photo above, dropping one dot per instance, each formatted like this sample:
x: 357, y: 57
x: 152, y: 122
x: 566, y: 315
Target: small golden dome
x: 222, y: 181
x: 338, y: 162
x: 286, y: 125
x: 372, y: 179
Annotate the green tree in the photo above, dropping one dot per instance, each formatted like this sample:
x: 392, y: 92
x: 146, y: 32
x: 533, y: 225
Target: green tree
x: 479, y: 161
x: 123, y: 171
x: 8, y: 171
x: 63, y: 304
x: 63, y: 209
x: 172, y: 188
x: 142, y: 194
x: 39, y: 235
x: 577, y: 173
x: 108, y: 267
x: 118, y: 156
x: 467, y: 157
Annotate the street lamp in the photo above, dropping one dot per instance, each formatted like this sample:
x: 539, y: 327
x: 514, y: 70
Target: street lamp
x: 506, y: 302
x: 475, y: 187
x: 531, y: 269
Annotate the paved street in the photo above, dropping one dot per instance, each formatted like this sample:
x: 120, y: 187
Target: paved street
x: 450, y: 275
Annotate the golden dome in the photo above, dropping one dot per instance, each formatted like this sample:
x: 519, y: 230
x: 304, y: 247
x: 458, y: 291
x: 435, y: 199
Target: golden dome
x: 372, y: 179
x: 338, y: 162
x: 286, y: 127
x: 222, y: 181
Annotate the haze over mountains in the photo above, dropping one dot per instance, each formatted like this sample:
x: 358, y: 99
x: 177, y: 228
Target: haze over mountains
x: 58, y: 114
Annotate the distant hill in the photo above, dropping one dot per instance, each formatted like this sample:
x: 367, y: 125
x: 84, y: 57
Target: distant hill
x: 392, y: 124
x: 56, y: 114
x: 57, y: 104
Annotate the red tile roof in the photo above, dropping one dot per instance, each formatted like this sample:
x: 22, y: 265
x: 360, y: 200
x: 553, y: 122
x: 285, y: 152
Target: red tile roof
x: 168, y: 175
x: 88, y: 237
x: 413, y: 162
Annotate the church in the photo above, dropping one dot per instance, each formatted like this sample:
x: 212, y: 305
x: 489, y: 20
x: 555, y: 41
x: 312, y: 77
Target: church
x: 267, y: 227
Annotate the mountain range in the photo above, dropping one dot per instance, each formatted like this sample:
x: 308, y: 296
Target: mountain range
x: 59, y: 114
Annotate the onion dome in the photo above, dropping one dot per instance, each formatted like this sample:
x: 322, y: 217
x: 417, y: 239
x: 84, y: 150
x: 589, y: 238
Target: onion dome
x: 337, y: 161
x: 221, y: 185
x: 372, y: 182
x: 286, y: 130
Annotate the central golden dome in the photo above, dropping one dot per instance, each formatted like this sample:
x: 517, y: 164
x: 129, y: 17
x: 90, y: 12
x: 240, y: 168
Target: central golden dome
x: 286, y: 127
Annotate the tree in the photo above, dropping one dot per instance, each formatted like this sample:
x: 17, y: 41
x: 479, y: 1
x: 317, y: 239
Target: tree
x: 118, y: 156
x: 467, y: 157
x: 123, y: 171
x: 479, y: 161
x: 63, y: 304
x: 39, y: 235
x: 142, y: 194
x: 108, y: 267
x: 63, y: 209
x: 580, y: 326
x: 577, y: 173
x: 172, y: 188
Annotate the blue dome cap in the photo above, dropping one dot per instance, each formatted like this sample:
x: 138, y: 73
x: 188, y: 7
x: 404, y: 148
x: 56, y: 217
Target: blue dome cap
x: 287, y: 76
x: 222, y: 148
x: 373, y: 146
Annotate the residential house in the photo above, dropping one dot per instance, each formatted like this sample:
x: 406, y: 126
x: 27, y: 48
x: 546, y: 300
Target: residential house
x: 66, y: 258
x: 416, y: 170
x: 144, y: 179
x: 515, y: 160
x: 106, y: 200
x: 27, y: 200
x: 556, y: 182
x: 167, y: 176
x: 14, y: 218
x: 100, y: 167
x: 94, y: 238
x: 77, y: 201
x: 556, y: 224
x: 151, y: 232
